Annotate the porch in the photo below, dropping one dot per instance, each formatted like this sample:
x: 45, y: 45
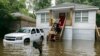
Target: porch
x: 61, y: 14
x: 63, y: 18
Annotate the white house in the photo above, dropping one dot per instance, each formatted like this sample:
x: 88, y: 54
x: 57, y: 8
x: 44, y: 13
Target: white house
x: 80, y: 20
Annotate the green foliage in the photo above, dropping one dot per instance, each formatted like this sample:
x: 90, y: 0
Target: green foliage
x: 41, y: 4
x: 32, y: 15
x: 62, y: 1
x: 98, y: 20
x: 89, y: 2
x: 96, y: 3
x: 6, y: 8
x: 5, y: 22
x: 13, y: 5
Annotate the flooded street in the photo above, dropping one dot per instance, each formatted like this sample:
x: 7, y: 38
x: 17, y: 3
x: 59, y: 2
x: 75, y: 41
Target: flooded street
x: 64, y: 48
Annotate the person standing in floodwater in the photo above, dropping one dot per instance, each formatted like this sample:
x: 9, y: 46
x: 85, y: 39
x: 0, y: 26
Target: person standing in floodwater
x: 38, y: 45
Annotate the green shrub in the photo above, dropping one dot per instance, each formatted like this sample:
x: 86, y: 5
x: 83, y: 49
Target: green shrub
x: 98, y: 20
x: 5, y: 22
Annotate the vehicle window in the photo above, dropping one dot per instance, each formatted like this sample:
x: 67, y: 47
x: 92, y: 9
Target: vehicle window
x: 37, y: 30
x: 23, y: 31
x: 41, y: 30
x: 33, y: 31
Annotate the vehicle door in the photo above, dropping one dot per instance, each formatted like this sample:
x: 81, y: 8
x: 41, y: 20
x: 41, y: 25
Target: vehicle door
x: 38, y: 33
x: 33, y: 34
x: 41, y: 30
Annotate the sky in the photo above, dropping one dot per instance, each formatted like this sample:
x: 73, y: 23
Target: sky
x: 53, y: 2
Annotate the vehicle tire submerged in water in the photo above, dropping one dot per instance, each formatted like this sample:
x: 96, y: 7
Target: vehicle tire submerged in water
x: 42, y: 38
x: 27, y: 40
x: 38, y: 44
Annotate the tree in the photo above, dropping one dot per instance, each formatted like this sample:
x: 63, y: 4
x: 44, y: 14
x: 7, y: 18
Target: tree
x: 5, y: 22
x: 6, y: 8
x: 59, y: 1
x: 41, y: 4
x: 13, y: 5
x: 62, y: 1
x: 98, y: 20
x: 96, y: 3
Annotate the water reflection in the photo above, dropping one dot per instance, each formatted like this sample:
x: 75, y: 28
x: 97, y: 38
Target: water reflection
x: 56, y: 49
x: 11, y: 49
x: 63, y: 48
x: 97, y: 48
x: 83, y: 48
x: 72, y: 48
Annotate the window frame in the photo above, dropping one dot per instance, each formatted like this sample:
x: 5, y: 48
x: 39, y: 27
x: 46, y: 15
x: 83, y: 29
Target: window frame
x: 46, y: 19
x: 42, y: 18
x: 32, y: 31
x: 41, y: 30
x: 37, y: 31
x: 81, y: 17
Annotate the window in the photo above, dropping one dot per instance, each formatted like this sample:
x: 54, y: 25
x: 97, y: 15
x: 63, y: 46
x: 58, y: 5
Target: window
x: 33, y: 31
x: 41, y: 30
x: 37, y: 30
x: 77, y: 17
x: 85, y: 16
x: 81, y: 16
x: 42, y: 17
x: 45, y: 17
x: 23, y: 31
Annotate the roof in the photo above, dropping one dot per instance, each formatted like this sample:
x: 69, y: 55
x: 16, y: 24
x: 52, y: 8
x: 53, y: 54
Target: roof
x: 23, y: 17
x: 72, y: 5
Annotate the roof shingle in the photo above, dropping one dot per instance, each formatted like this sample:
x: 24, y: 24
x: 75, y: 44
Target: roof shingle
x: 75, y: 5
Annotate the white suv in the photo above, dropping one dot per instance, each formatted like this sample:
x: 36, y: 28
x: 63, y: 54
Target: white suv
x: 25, y: 34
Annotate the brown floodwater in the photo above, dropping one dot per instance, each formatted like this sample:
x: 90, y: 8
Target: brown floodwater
x: 62, y: 48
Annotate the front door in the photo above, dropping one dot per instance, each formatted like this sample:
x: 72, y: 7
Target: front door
x: 61, y: 18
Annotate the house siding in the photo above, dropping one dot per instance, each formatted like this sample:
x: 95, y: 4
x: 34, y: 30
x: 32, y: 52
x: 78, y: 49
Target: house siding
x: 90, y: 24
x: 67, y: 33
x: 84, y: 34
x: 38, y: 22
x: 84, y: 31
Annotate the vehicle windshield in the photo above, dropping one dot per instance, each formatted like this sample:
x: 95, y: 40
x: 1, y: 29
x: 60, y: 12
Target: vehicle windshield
x: 23, y: 31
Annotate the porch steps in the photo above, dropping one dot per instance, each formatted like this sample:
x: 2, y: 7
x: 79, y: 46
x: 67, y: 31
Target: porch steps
x: 97, y: 33
x: 53, y: 35
x: 63, y: 28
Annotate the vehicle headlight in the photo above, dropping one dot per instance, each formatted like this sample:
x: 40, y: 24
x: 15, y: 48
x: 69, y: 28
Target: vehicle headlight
x: 19, y: 38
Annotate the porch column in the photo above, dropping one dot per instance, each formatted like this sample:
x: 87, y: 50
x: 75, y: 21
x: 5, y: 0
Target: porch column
x: 51, y: 20
x: 71, y: 15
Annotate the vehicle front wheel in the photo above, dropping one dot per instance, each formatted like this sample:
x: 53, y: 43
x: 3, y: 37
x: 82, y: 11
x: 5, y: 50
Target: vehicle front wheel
x: 27, y: 40
x: 42, y: 38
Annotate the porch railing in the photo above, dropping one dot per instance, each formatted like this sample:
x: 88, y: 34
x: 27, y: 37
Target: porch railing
x: 97, y: 32
x: 63, y: 27
x: 68, y: 22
